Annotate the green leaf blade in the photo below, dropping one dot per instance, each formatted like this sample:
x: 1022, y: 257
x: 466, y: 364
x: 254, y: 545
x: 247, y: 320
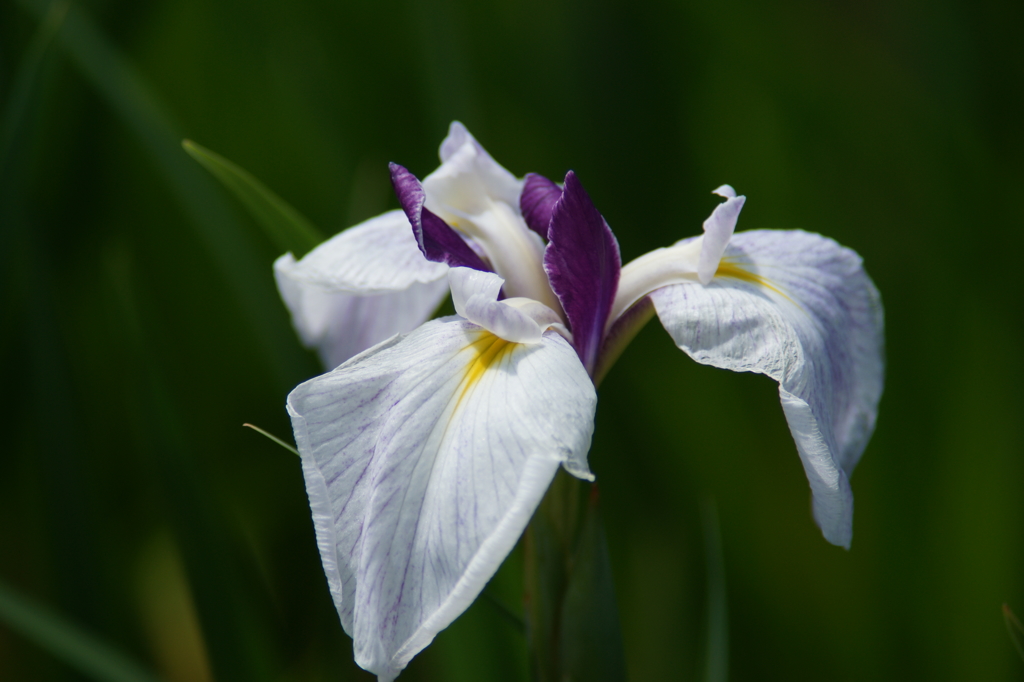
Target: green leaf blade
x: 18, y: 108
x: 65, y: 641
x: 284, y: 225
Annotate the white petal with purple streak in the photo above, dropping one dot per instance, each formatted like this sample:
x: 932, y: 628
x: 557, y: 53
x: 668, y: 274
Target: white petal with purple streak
x: 800, y: 308
x: 424, y: 458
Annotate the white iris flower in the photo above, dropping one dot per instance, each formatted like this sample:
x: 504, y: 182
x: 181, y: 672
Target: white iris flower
x: 428, y: 446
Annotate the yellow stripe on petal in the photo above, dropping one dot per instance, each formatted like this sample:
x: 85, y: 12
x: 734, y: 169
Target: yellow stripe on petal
x: 727, y: 268
x: 490, y: 349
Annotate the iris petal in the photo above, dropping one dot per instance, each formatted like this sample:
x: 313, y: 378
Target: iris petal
x: 437, y: 240
x: 521, y: 320
x: 424, y: 459
x: 800, y: 308
x: 537, y: 202
x: 582, y: 262
x: 360, y: 287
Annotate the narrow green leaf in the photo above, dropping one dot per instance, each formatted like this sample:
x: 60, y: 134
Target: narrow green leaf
x: 285, y: 226
x: 272, y: 437
x: 64, y: 641
x: 129, y: 96
x: 1014, y: 627
x: 716, y: 662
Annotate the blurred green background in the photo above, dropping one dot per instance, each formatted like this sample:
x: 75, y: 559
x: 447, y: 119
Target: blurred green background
x: 141, y: 327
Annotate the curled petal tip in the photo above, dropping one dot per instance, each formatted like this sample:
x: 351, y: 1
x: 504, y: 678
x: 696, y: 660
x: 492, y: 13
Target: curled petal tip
x: 815, y: 327
x: 725, y: 191
x: 475, y: 295
x: 537, y: 202
x: 718, y: 230
x: 407, y: 186
x: 457, y: 136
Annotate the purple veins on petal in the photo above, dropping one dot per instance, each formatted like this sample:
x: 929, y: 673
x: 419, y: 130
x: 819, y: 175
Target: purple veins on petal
x: 537, y: 202
x: 436, y: 238
x: 582, y: 262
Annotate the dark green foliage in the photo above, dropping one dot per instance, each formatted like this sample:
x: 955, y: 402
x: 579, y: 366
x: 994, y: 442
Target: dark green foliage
x: 140, y: 328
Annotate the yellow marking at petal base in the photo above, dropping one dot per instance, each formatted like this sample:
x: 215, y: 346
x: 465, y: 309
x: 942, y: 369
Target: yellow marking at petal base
x: 734, y: 270
x: 490, y: 349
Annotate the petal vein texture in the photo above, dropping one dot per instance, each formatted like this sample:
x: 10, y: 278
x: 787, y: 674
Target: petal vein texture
x: 800, y: 308
x: 424, y: 459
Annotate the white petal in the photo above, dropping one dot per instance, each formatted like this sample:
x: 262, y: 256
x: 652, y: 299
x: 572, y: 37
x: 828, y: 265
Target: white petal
x: 475, y: 295
x: 718, y: 229
x: 691, y: 259
x: 468, y: 173
x: 480, y: 199
x: 360, y: 287
x: 653, y: 270
x: 339, y: 325
x: 799, y: 308
x: 374, y: 257
x: 424, y: 459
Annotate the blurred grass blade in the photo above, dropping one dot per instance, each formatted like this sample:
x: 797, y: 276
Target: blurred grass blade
x: 64, y: 641
x: 232, y: 621
x: 514, y: 619
x: 247, y: 274
x: 26, y: 82
x: 1014, y: 627
x: 716, y: 660
x: 272, y: 437
x: 285, y: 226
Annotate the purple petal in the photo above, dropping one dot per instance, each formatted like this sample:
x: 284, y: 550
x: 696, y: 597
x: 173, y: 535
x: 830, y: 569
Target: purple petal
x: 437, y: 240
x: 537, y: 202
x: 582, y: 262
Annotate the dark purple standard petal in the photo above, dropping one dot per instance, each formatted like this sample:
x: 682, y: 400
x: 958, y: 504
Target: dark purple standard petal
x: 537, y: 201
x: 438, y: 241
x: 582, y: 262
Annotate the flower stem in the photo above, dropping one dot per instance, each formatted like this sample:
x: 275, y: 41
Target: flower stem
x: 572, y: 618
x: 621, y: 333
